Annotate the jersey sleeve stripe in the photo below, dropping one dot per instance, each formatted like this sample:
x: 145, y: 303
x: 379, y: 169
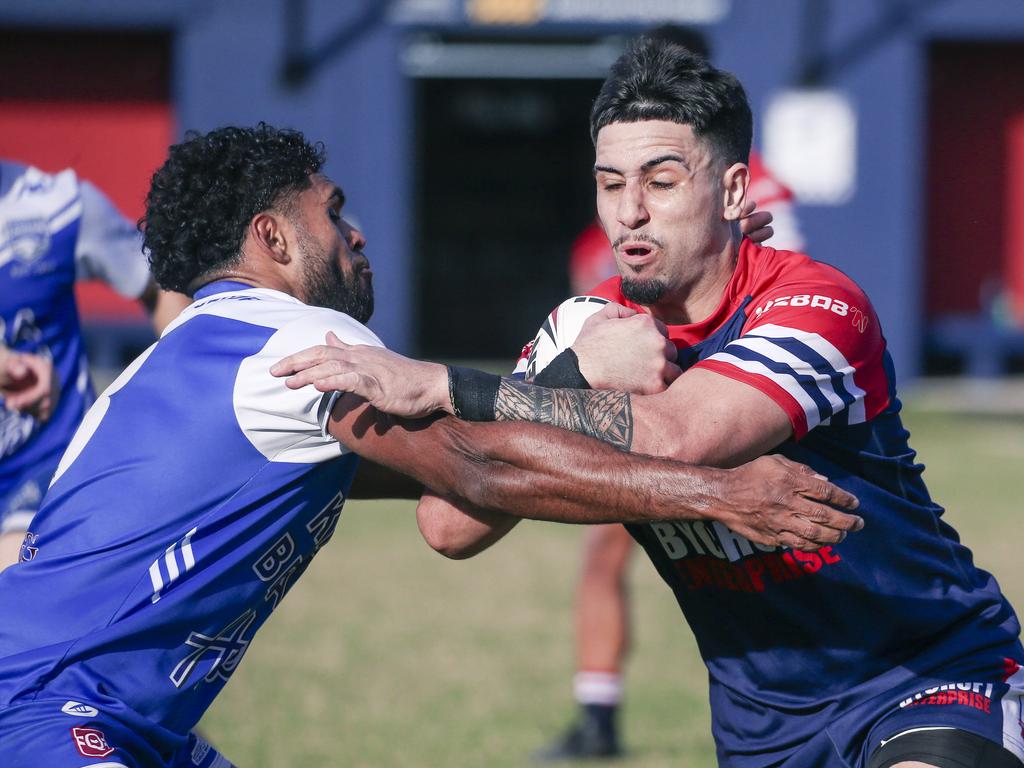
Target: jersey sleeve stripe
x: 796, y: 357
x: 801, y: 388
x: 826, y: 358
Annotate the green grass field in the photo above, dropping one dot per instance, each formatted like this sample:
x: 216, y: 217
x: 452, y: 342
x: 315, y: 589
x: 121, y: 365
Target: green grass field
x: 386, y: 654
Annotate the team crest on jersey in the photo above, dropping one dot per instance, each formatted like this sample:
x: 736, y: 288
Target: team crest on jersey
x: 25, y: 240
x: 91, y: 742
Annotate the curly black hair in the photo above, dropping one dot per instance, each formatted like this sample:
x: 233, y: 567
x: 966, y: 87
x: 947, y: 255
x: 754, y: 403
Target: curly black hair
x: 203, y: 197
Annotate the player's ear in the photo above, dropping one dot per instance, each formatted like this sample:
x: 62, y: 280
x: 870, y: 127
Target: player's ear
x: 270, y: 234
x: 734, y: 191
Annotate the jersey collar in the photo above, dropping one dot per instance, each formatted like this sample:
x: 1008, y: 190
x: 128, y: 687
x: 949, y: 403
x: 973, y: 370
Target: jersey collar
x: 220, y: 286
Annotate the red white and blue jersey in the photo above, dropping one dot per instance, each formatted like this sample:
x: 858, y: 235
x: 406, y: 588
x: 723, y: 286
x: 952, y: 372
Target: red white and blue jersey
x: 54, y: 229
x: 794, y: 640
x: 196, y: 491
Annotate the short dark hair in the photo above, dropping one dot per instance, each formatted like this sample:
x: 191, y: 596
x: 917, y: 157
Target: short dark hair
x: 205, y: 194
x: 658, y: 80
x: 689, y: 38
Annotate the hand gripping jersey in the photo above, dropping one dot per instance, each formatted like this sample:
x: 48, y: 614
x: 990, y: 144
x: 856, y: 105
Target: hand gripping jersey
x: 54, y: 229
x: 195, y: 493
x: 795, y: 641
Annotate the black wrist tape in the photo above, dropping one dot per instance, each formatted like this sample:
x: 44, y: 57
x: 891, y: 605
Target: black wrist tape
x: 473, y: 393
x: 562, y: 373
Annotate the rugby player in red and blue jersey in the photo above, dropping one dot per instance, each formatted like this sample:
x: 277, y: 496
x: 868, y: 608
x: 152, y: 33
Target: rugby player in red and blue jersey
x: 890, y: 648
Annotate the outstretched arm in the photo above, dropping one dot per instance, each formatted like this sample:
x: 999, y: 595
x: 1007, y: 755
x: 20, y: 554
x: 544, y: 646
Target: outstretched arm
x: 521, y: 469
x: 701, y: 418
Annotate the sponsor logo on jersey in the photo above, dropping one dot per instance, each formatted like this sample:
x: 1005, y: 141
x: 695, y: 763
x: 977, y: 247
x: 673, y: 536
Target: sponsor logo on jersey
x: 91, y: 742
x: 200, y: 750
x: 710, y: 556
x: 860, y: 319
x: 29, y: 550
x: 78, y: 709
x: 814, y: 301
x: 227, y: 648
x: 975, y: 695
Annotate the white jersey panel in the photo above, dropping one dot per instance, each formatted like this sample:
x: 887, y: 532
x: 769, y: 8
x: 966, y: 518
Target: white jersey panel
x: 285, y: 425
x: 109, y: 246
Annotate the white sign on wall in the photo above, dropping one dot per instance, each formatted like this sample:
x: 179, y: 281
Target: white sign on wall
x: 810, y: 144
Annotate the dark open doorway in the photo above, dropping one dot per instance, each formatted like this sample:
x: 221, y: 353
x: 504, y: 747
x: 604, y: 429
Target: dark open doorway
x: 503, y: 186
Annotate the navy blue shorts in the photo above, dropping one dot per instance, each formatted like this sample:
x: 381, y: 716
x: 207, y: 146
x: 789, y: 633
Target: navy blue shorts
x: 985, y: 701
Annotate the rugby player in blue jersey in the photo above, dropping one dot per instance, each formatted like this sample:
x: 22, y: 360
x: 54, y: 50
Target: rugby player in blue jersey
x: 54, y: 229
x: 199, y: 486
x: 888, y: 649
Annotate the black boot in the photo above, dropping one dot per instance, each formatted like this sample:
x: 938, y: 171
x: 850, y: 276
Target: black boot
x: 593, y: 736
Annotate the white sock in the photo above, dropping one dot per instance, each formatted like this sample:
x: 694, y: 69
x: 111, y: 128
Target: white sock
x: 603, y: 688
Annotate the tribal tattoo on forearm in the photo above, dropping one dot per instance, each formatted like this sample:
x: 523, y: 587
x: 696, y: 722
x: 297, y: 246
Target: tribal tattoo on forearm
x: 608, y: 416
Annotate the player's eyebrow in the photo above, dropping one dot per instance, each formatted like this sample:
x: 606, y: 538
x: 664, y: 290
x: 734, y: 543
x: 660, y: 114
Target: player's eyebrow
x: 336, y: 196
x: 664, y: 159
x: 652, y: 163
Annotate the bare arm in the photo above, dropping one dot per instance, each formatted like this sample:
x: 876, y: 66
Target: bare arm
x: 521, y: 469
x: 455, y: 530
x: 701, y: 418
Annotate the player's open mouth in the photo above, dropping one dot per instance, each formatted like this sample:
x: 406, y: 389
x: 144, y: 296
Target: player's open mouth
x: 636, y: 254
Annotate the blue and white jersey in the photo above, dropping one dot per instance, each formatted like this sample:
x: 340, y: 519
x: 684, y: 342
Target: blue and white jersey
x: 54, y: 229
x: 194, y: 494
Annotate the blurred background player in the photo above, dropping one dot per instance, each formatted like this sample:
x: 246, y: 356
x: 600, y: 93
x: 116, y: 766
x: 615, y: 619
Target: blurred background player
x: 54, y: 229
x: 602, y: 611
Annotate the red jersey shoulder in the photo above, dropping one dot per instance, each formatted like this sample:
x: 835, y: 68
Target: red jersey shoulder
x: 811, y: 340
x: 790, y: 284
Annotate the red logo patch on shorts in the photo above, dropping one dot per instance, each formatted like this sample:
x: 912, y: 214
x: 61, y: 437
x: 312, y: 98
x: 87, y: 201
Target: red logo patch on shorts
x: 91, y: 742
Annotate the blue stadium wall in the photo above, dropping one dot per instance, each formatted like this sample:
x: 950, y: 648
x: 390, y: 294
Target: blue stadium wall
x: 228, y: 58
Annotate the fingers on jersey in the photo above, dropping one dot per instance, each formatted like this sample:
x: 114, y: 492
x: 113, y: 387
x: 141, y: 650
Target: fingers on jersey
x: 778, y: 502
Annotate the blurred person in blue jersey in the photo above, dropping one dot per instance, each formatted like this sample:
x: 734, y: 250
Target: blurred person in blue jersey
x: 199, y: 486
x: 54, y: 229
x: 888, y: 649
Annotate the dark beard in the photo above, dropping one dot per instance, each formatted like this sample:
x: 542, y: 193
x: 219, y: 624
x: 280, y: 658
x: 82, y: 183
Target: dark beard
x: 326, y: 286
x: 644, y: 292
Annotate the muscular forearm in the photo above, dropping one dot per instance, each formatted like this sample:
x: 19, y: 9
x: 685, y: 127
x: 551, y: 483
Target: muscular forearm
x: 522, y: 469
x: 607, y: 416
x: 648, y: 424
